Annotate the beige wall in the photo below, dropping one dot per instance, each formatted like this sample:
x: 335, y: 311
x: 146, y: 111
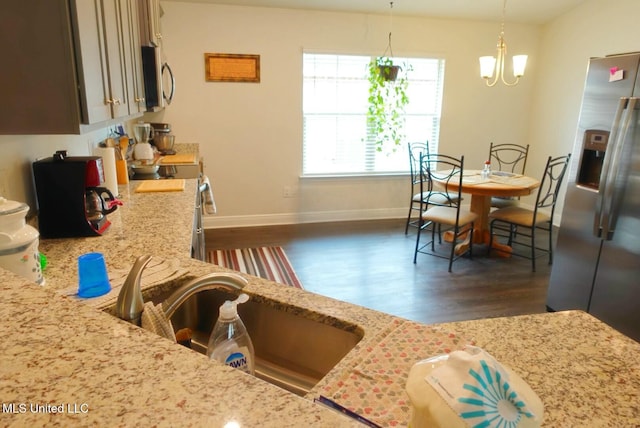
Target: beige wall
x: 597, y: 28
x: 250, y: 134
x: 18, y: 152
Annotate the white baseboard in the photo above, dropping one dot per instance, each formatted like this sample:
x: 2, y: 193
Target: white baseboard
x: 218, y: 222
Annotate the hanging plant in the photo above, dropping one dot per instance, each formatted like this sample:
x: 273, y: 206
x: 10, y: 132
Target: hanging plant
x: 387, y: 103
x: 388, y: 84
x: 387, y: 70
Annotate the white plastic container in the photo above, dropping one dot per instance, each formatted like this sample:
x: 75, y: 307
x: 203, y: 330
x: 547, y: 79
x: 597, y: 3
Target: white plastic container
x: 143, y: 152
x: 229, y: 342
x: 470, y: 388
x: 19, y: 242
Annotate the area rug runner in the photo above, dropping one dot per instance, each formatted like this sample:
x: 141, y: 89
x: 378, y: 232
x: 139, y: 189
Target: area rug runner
x: 265, y: 262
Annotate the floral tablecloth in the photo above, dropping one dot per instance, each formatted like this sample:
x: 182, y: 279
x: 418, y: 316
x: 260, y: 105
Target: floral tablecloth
x: 375, y: 388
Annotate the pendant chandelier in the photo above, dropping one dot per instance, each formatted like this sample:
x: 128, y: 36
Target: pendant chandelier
x: 492, y: 67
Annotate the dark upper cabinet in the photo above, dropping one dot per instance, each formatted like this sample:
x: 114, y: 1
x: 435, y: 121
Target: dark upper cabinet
x: 69, y: 64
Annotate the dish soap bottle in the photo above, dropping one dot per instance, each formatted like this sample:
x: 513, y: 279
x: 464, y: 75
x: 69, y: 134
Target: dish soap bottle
x: 229, y: 342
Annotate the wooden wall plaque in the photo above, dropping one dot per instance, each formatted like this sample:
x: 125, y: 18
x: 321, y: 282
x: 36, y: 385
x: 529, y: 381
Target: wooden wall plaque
x: 231, y: 67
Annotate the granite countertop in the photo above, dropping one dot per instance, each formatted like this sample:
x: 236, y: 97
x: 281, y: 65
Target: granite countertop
x: 84, y: 367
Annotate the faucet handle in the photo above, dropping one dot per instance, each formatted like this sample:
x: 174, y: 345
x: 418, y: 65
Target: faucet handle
x: 130, y: 302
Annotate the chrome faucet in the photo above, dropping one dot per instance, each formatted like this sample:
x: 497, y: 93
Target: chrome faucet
x: 130, y: 303
x: 229, y: 281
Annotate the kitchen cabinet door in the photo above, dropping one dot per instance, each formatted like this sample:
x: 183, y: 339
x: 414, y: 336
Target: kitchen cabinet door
x: 92, y: 60
x: 114, y: 39
x: 156, y: 30
x: 69, y: 63
x: 38, y: 73
x: 133, y: 57
x: 101, y: 40
x: 150, y: 13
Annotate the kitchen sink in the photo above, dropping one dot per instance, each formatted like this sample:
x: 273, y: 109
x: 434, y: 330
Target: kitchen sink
x: 292, y: 350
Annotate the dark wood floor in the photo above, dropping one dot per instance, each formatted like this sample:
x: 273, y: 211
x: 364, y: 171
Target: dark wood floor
x: 370, y: 263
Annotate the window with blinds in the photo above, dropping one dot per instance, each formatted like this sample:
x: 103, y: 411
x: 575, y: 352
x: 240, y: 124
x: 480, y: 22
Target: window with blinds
x: 335, y: 101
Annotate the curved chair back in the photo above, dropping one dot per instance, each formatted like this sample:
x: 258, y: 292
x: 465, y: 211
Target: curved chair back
x: 519, y: 223
x: 443, y: 207
x: 508, y: 157
x: 549, y: 188
x: 415, y: 151
x: 444, y: 170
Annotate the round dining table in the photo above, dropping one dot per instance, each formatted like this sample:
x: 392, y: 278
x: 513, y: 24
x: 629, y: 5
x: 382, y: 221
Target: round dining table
x: 481, y: 189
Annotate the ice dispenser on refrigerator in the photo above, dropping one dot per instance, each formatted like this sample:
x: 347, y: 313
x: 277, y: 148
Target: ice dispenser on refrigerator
x: 592, y: 158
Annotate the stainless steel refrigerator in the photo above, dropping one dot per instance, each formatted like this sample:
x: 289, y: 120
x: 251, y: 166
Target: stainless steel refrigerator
x: 596, y: 265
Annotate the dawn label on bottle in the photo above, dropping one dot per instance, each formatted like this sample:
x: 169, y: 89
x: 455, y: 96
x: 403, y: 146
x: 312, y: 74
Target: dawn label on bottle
x: 238, y: 360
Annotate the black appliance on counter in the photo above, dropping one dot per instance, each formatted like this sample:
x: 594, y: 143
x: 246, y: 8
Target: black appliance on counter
x: 159, y: 83
x: 71, y: 201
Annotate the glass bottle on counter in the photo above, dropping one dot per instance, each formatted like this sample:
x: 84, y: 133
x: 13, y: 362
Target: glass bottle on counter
x: 486, y: 171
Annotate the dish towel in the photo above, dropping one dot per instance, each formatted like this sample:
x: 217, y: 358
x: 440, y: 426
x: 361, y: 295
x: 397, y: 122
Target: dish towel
x: 154, y: 319
x: 209, y: 204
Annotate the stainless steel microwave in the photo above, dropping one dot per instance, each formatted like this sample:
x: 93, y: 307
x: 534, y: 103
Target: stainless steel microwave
x: 159, y: 83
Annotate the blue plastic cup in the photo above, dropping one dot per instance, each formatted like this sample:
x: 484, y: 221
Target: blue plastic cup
x: 92, y: 275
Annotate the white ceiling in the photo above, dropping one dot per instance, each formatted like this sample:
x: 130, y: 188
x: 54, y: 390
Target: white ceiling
x: 523, y: 11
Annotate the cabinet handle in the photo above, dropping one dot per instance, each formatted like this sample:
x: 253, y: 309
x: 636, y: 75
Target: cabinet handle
x: 117, y: 101
x: 158, y: 36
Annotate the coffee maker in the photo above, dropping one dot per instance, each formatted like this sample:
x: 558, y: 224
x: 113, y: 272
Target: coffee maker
x: 71, y: 201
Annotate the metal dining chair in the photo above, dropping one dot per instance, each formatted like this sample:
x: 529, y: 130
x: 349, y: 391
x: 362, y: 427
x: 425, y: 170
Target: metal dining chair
x: 444, y: 206
x: 509, y: 158
x: 504, y: 221
x: 421, y: 186
x: 417, y: 198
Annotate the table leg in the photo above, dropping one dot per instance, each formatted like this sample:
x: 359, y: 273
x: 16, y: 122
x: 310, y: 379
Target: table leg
x: 480, y: 205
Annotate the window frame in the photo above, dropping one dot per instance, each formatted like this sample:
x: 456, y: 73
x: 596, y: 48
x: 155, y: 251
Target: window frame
x: 436, y: 62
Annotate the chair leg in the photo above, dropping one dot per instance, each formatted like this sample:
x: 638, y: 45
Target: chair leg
x: 490, y: 238
x: 415, y: 253
x: 533, y: 249
x: 512, y: 234
x: 406, y: 227
x: 453, y: 247
x: 550, y: 243
x: 433, y: 236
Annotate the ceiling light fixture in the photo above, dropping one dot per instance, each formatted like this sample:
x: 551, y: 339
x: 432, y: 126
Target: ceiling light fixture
x: 490, y: 66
